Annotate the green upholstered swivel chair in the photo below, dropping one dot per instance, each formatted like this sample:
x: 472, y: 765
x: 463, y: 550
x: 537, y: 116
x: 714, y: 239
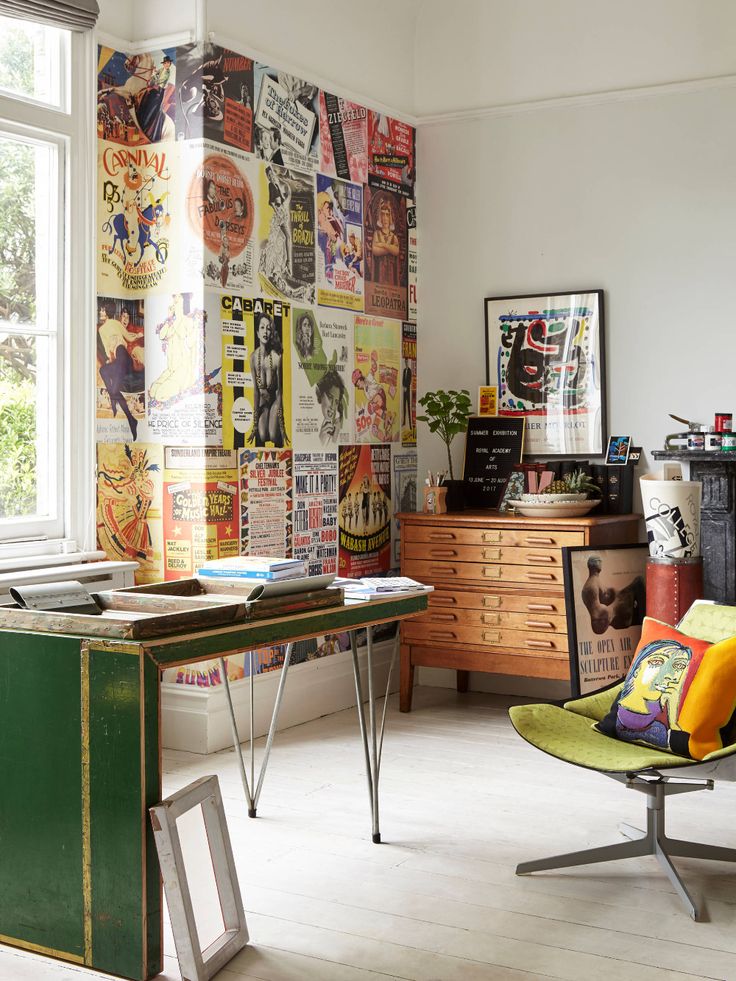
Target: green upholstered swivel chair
x: 566, y: 733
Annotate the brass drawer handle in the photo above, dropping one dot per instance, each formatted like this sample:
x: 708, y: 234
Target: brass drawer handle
x: 494, y: 601
x: 539, y: 541
x: 494, y: 554
x: 446, y: 617
x: 436, y: 600
x: 539, y: 624
x: 443, y: 553
x: 492, y: 636
x: 542, y: 576
x: 442, y: 635
x: 441, y: 536
x: 492, y: 618
x: 541, y: 607
x: 541, y: 558
x: 492, y: 536
x: 546, y: 645
x: 492, y: 571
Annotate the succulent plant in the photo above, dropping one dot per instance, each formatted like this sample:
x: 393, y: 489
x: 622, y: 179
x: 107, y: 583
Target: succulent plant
x: 577, y: 482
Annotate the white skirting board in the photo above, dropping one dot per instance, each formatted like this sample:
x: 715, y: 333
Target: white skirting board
x: 498, y: 684
x: 196, y: 720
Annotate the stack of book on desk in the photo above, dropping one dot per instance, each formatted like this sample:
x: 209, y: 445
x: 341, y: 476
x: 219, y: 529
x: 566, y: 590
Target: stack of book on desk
x: 258, y: 567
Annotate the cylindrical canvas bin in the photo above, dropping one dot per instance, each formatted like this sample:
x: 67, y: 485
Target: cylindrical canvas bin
x: 672, y: 587
x: 672, y: 516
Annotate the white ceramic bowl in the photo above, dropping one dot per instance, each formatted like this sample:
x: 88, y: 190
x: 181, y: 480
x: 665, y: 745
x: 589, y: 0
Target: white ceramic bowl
x: 553, y: 498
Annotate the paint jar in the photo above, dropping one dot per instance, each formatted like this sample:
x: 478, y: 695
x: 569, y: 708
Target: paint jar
x: 724, y: 422
x: 713, y: 440
x: 728, y: 442
x: 696, y: 440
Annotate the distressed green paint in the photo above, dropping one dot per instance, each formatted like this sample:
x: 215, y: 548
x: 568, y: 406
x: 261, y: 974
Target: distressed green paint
x: 116, y: 813
x: 262, y: 634
x: 40, y: 792
x: 152, y: 694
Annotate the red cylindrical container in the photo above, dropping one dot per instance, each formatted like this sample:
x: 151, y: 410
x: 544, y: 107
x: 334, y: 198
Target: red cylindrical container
x: 724, y: 422
x: 672, y: 587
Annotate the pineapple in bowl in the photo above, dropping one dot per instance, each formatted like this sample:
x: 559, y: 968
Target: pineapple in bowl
x: 574, y: 488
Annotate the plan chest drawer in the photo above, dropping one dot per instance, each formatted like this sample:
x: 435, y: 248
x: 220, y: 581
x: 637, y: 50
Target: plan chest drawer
x: 498, y: 603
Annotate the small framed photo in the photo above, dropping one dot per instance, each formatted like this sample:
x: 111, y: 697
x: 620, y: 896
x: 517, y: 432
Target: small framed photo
x: 605, y: 600
x: 618, y: 450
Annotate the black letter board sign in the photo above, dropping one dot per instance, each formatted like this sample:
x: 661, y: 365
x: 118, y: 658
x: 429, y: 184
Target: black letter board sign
x: 492, y: 451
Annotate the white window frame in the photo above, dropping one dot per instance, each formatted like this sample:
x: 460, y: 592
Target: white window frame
x: 71, y: 127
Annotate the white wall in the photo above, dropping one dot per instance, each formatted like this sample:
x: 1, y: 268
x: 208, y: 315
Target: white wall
x: 116, y: 18
x: 368, y: 52
x: 476, y: 53
x: 637, y: 197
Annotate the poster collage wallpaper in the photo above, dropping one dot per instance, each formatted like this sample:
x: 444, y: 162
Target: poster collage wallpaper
x: 256, y: 321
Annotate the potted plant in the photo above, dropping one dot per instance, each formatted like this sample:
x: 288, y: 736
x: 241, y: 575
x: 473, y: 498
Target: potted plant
x: 447, y: 413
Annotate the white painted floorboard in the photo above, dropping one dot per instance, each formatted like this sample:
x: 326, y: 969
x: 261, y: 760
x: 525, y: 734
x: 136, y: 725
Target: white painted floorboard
x: 463, y: 800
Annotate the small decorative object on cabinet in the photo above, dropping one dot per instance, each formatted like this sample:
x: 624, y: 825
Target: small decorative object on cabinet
x: 498, y: 603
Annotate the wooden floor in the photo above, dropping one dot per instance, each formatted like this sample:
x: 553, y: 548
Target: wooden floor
x: 463, y: 800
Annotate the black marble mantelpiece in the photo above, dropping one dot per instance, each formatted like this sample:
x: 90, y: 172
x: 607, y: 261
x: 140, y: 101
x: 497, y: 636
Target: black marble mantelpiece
x: 716, y: 470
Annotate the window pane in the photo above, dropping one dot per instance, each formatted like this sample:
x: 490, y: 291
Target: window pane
x: 28, y: 223
x: 19, y: 429
x: 29, y: 314
x: 31, y: 60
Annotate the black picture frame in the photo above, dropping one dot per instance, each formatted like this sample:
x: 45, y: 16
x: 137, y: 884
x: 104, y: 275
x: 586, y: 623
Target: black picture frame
x: 569, y: 421
x: 604, y: 627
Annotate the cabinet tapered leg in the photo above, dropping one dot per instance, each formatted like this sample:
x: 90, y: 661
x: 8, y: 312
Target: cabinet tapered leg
x: 463, y: 677
x: 406, y: 680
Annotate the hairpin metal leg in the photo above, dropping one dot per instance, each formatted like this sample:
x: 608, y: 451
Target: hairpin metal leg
x: 252, y: 796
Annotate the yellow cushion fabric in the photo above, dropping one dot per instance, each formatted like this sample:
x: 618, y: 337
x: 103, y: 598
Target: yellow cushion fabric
x: 708, y: 710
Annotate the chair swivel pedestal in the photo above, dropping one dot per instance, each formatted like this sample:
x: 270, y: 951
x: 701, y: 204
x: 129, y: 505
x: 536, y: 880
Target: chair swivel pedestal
x: 653, y: 841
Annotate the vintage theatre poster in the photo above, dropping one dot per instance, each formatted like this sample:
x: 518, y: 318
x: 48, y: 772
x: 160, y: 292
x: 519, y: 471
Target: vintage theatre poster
x: 201, y: 519
x: 404, y: 467
x: 218, y: 185
x: 120, y: 380
x: 136, y: 101
x: 343, y: 134
x: 364, y: 510
x: 315, y: 511
x: 286, y: 233
x: 386, y: 253
x: 376, y: 383
x: 409, y: 384
x: 129, y: 489
x: 391, y: 153
x: 323, y: 353
x: 286, y: 119
x: 266, y: 502
x: 183, y: 369
x: 413, y: 260
x: 137, y: 219
x: 256, y: 371
x: 214, y: 95
x: 339, y: 243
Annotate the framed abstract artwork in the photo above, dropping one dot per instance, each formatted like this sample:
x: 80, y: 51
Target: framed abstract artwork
x: 545, y: 353
x: 605, y: 599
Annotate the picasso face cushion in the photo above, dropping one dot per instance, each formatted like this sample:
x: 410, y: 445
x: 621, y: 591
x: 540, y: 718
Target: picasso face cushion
x: 679, y: 693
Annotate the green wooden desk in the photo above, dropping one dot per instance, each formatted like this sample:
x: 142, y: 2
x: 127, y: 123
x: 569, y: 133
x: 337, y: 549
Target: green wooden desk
x: 80, y: 764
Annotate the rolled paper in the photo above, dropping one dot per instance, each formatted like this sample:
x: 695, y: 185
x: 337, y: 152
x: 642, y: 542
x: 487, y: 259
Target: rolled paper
x: 672, y: 516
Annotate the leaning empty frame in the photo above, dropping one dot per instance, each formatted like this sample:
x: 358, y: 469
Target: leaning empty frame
x: 196, y: 964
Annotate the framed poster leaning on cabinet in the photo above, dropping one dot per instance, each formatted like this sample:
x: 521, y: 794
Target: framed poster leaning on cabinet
x: 605, y: 601
x: 545, y: 353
